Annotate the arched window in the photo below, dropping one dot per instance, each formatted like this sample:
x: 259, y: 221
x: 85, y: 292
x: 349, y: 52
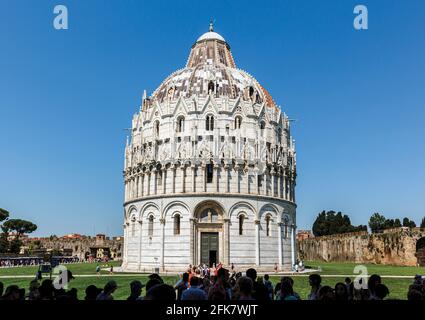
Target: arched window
x: 150, y: 226
x: 262, y: 125
x: 209, y: 123
x: 176, y: 224
x: 268, y: 226
x: 251, y: 92
x: 180, y: 124
x: 209, y: 173
x: 241, y: 219
x: 156, y: 128
x: 210, y: 87
x: 238, y: 122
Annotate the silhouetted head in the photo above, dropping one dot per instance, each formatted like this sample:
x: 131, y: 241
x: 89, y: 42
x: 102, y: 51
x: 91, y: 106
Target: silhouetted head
x: 136, y: 287
x: 92, y: 292
x: 151, y: 283
x: 315, y: 280
x: 373, y: 281
x: 161, y: 292
x: 245, y: 285
x: 381, y: 291
x: 341, y: 292
x: 251, y: 273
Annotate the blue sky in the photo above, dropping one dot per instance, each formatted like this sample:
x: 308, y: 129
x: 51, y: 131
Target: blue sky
x: 66, y: 96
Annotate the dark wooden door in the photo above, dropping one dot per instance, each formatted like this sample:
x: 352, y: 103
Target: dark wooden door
x: 209, y: 248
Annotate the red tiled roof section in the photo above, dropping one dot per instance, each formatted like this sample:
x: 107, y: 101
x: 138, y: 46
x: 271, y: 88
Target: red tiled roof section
x: 269, y: 100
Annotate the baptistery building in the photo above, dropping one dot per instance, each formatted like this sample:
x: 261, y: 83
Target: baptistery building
x: 209, y: 170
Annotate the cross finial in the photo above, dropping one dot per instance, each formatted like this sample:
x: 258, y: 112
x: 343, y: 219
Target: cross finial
x: 211, y: 26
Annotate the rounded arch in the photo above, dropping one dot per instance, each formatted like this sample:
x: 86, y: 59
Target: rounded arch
x: 269, y: 208
x: 180, y: 122
x: 242, y: 206
x: 286, y: 218
x: 209, y: 204
x: 131, y: 210
x: 176, y: 213
x: 243, y: 214
x: 151, y: 207
x: 169, y: 207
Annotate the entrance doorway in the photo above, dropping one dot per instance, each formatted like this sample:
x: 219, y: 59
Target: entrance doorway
x: 209, y: 248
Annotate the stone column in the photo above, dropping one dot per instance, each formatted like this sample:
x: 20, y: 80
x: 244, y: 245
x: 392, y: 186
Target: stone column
x: 257, y: 242
x: 140, y: 185
x: 182, y: 180
x: 265, y: 182
x: 280, y: 245
x: 143, y: 184
x: 226, y: 246
x: 148, y: 192
x: 273, y: 177
x: 164, y: 180
x: 216, y: 177
x: 173, y: 180
x: 256, y: 191
x: 204, y: 177
x: 226, y: 172
x: 192, y: 232
x: 162, y: 222
x: 155, y: 181
x: 279, y: 184
x: 124, y: 249
x: 193, y: 178
x: 140, y: 245
x: 292, y: 245
x: 284, y: 184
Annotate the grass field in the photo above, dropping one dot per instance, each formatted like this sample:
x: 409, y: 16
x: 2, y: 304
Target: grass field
x: 85, y: 275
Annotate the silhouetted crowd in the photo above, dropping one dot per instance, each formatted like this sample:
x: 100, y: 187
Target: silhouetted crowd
x: 32, y: 261
x: 222, y: 286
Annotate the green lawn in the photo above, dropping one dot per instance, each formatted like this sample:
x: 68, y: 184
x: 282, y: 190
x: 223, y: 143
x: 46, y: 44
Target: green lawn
x: 398, y: 287
x: 76, y: 268
x: 336, y: 268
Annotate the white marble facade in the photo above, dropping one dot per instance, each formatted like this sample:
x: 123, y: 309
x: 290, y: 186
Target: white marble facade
x: 210, y: 170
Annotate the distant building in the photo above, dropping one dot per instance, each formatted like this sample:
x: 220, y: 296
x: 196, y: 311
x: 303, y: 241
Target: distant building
x: 13, y: 235
x: 81, y: 246
x: 304, y: 234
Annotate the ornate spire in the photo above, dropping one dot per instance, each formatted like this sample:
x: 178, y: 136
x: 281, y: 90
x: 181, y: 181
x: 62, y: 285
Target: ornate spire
x: 211, y: 26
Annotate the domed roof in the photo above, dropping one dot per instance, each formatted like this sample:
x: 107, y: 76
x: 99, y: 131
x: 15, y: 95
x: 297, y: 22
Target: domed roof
x: 210, y: 35
x: 210, y: 69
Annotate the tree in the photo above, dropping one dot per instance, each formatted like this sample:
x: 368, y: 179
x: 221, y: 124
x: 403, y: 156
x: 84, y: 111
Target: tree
x: 397, y: 223
x: 4, y: 244
x: 423, y: 223
x: 330, y: 222
x: 4, y: 214
x: 377, y: 222
x: 408, y: 223
x: 20, y: 227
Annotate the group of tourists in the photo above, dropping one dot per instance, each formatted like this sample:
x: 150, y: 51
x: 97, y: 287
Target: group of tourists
x: 223, y: 285
x: 8, y: 262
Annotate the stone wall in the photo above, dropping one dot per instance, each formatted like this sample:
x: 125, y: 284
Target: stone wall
x: 392, y: 247
x: 76, y: 247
